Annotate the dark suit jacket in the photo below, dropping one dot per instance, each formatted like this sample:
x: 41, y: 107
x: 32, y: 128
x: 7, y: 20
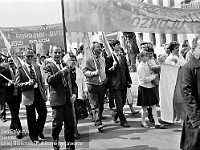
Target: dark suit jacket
x: 9, y: 91
x: 28, y: 90
x: 119, y: 78
x: 59, y: 94
x: 191, y: 96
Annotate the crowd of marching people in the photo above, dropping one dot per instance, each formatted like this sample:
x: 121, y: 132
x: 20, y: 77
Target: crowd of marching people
x: 67, y: 82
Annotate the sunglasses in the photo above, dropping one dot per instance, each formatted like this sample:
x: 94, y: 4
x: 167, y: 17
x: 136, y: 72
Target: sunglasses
x: 29, y: 56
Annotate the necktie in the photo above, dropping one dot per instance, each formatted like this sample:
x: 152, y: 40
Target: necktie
x: 32, y: 73
x: 59, y: 66
x: 98, y: 64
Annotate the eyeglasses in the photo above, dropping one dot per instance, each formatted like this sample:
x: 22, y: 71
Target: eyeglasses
x: 73, y: 60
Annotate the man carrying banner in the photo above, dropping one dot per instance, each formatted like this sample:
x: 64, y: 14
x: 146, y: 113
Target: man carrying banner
x: 95, y: 78
x: 119, y: 79
x: 61, y: 99
x: 12, y: 97
x: 29, y: 79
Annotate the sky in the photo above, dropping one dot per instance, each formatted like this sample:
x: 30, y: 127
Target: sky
x: 18, y: 13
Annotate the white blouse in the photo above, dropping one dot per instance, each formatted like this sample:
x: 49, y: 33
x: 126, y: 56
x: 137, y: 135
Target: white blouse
x: 144, y: 75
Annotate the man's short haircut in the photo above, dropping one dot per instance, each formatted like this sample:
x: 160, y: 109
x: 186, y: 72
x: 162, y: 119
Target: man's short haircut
x: 73, y: 56
x: 173, y: 45
x: 115, y: 42
x: 93, y: 45
x: 53, y: 47
x: 194, y: 42
x: 143, y: 43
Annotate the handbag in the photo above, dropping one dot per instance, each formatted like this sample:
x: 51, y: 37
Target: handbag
x: 80, y: 109
x: 155, y: 70
x: 156, y: 81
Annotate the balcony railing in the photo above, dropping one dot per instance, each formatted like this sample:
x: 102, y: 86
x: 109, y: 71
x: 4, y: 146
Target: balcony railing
x: 193, y: 4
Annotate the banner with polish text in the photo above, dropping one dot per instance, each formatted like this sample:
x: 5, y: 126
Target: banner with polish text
x: 129, y: 16
x: 46, y: 34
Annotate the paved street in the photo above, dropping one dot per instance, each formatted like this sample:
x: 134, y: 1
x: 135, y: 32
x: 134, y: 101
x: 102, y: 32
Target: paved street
x: 114, y: 136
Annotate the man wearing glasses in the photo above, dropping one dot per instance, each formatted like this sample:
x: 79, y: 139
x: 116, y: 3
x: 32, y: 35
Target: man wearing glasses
x: 29, y: 80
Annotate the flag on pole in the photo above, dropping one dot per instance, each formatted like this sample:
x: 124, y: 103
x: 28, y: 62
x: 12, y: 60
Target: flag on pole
x: 87, y: 51
x: 106, y: 44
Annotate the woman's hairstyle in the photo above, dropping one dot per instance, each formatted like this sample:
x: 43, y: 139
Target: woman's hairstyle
x: 173, y: 45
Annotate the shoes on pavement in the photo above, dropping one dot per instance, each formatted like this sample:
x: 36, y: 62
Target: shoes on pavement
x: 34, y: 140
x: 125, y: 125
x: 4, y: 120
x: 19, y: 135
x: 151, y: 120
x: 77, y: 136
x: 56, y: 145
x: 41, y: 136
x: 103, y: 117
x: 144, y: 125
x: 100, y: 128
x: 160, y: 127
x: 115, y: 120
x: 134, y: 113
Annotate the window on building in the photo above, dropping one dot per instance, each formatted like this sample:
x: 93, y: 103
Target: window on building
x: 160, y: 2
x: 140, y: 36
x: 153, y: 38
x: 174, y: 37
x: 163, y: 39
x: 171, y: 3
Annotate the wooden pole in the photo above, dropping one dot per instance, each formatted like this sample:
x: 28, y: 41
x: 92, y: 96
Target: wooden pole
x: 64, y: 26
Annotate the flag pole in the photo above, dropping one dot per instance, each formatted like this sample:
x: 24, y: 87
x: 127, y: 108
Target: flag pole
x: 64, y: 26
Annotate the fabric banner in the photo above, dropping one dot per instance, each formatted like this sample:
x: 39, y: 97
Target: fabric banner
x: 167, y: 85
x: 46, y: 34
x: 129, y: 16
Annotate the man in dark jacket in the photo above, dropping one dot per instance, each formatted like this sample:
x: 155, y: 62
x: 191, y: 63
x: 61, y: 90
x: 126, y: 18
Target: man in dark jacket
x: 119, y: 79
x: 61, y: 99
x: 12, y: 97
x: 190, y: 85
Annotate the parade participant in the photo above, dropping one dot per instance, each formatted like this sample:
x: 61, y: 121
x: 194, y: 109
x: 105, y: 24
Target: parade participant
x: 146, y: 95
x: 2, y: 96
x: 94, y: 72
x: 61, y: 99
x: 191, y: 92
x: 29, y: 80
x: 174, y: 58
x: 78, y: 87
x: 12, y: 97
x: 119, y: 79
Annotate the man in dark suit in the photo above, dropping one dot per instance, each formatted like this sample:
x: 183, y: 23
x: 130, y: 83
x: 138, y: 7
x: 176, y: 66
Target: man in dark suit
x: 12, y: 97
x: 61, y: 99
x: 2, y: 96
x: 29, y: 79
x: 119, y: 79
x: 190, y: 86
